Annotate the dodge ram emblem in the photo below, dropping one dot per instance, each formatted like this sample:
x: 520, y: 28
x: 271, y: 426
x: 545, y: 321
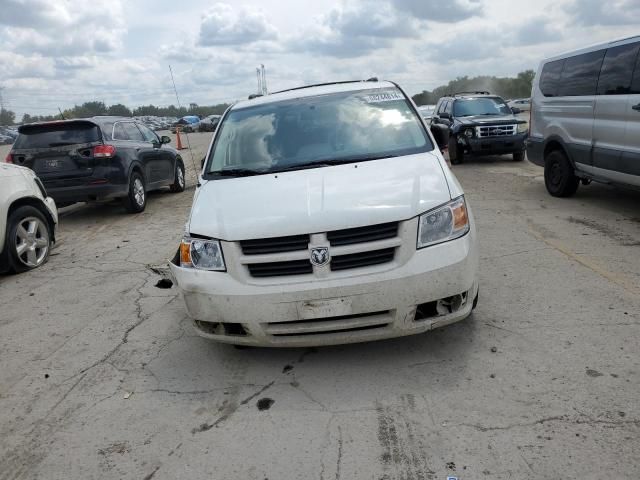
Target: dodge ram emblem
x: 320, y: 256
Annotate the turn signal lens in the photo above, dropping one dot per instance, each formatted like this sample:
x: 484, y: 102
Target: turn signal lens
x: 185, y: 254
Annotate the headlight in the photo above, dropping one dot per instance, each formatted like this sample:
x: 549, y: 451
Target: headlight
x: 444, y: 223
x: 201, y: 254
x: 523, y: 127
x: 469, y: 133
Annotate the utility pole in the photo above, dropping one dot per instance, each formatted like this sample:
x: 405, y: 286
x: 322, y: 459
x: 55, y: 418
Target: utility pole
x: 1, y: 99
x: 261, y: 75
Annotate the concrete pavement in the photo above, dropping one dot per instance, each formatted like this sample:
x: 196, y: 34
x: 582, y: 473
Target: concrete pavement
x: 102, y: 377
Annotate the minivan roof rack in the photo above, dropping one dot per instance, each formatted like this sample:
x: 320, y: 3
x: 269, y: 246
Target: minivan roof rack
x: 372, y: 79
x: 254, y: 95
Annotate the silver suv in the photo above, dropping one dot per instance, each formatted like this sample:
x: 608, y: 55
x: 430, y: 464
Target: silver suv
x: 585, y: 117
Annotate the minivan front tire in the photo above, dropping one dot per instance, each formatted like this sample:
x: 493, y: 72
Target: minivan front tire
x: 136, y: 199
x: 559, y: 175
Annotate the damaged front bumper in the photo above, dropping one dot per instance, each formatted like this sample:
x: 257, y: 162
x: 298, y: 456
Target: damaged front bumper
x: 438, y: 286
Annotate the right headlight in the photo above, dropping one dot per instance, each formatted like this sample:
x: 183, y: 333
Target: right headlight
x: 202, y: 254
x: 443, y: 224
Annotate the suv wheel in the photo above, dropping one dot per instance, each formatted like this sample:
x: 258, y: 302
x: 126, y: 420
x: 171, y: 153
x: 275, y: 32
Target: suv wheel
x: 518, y: 156
x: 179, y: 179
x: 456, y: 151
x: 136, y: 199
x: 29, y: 239
x: 559, y: 176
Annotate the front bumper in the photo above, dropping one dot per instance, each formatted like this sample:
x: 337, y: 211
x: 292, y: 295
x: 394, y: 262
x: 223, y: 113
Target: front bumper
x: 496, y: 145
x: 358, y: 308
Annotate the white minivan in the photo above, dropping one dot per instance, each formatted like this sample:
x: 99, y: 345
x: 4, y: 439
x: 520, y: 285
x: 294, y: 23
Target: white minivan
x: 326, y: 215
x: 585, y: 117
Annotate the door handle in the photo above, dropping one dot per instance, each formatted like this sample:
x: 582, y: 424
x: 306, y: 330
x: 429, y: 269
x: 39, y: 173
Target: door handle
x: 636, y: 107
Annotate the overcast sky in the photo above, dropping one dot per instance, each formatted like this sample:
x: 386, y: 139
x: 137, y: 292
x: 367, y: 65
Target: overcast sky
x: 60, y: 52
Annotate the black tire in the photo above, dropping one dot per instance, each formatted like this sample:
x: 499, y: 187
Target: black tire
x: 456, y: 151
x: 28, y: 240
x: 179, y: 179
x: 559, y: 176
x: 518, y: 156
x: 136, y: 200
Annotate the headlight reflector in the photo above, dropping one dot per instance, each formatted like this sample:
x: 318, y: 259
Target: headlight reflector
x: 443, y: 224
x: 201, y: 254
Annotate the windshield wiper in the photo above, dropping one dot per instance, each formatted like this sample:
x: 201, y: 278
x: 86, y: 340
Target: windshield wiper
x: 331, y: 162
x: 238, y: 172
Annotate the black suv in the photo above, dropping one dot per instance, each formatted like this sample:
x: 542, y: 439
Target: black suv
x: 479, y: 123
x: 99, y: 158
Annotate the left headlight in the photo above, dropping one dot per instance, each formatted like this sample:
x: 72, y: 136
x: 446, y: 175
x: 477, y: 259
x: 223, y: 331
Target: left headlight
x: 443, y: 224
x: 201, y: 254
x: 523, y: 127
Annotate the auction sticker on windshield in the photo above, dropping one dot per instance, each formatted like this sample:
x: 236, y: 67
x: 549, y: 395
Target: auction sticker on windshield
x: 390, y: 96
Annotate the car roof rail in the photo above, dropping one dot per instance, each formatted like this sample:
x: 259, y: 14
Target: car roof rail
x: 372, y: 79
x: 477, y: 92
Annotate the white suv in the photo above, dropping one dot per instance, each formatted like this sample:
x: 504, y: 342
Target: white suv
x: 326, y: 215
x: 28, y: 220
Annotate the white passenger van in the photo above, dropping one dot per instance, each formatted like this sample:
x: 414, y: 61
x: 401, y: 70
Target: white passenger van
x: 326, y: 215
x: 585, y: 117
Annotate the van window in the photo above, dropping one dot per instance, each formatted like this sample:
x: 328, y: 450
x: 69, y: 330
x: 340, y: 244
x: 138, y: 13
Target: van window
x: 336, y: 127
x: 580, y: 74
x: 617, y: 70
x: 635, y: 83
x: 550, y: 78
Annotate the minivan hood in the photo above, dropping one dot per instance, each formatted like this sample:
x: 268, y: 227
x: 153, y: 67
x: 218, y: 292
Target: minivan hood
x: 319, y: 199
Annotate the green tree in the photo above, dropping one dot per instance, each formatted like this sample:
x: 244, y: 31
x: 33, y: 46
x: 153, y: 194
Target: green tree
x: 7, y: 117
x: 119, y: 110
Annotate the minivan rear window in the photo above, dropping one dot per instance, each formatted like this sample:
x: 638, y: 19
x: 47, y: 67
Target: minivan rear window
x: 550, y: 78
x: 617, y: 70
x: 57, y: 135
x: 580, y: 74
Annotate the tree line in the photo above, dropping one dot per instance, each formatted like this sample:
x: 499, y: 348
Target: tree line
x: 91, y: 109
x: 506, y: 87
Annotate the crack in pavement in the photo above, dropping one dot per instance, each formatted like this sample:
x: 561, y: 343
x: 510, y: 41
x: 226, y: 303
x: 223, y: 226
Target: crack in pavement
x: 558, y: 418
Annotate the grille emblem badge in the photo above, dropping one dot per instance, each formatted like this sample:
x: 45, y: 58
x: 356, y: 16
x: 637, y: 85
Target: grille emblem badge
x: 320, y: 256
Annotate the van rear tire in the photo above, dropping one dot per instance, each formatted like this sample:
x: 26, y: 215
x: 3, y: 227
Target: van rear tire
x: 559, y: 175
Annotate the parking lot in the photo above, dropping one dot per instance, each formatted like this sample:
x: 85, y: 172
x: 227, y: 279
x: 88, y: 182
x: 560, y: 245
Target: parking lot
x: 541, y: 381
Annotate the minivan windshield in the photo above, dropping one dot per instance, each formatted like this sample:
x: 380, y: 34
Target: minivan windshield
x: 467, y: 107
x: 317, y: 131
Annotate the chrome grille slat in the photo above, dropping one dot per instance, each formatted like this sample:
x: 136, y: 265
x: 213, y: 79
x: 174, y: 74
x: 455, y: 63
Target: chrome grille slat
x: 496, y: 131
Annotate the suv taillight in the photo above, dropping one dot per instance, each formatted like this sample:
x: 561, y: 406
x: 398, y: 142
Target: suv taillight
x: 104, y: 151
x: 9, y: 158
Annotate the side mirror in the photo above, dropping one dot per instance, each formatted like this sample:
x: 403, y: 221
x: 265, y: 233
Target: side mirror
x: 165, y: 139
x: 516, y: 110
x: 445, y: 115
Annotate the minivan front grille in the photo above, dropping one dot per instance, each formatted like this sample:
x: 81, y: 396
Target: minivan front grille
x: 371, y: 233
x: 496, y: 131
x: 279, y: 269
x: 274, y: 245
x: 362, y: 259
